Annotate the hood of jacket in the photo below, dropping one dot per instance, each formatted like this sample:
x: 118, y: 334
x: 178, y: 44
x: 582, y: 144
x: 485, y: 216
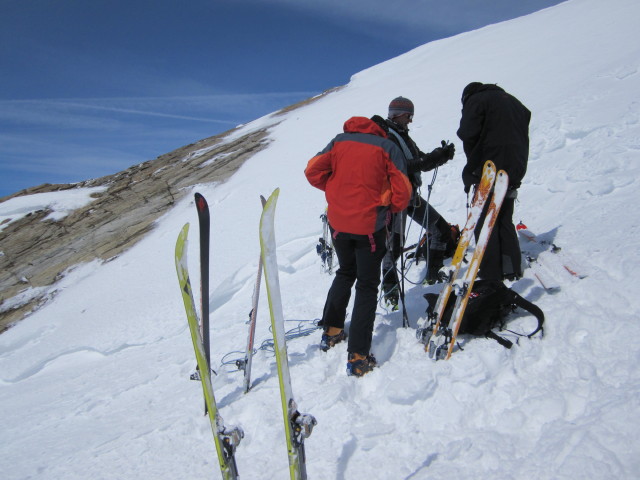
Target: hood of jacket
x: 475, y: 87
x: 363, y: 125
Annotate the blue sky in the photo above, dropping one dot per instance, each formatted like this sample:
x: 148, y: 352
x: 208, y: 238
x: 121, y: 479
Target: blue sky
x: 91, y: 87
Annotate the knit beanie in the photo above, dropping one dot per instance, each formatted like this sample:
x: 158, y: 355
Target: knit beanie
x: 400, y: 105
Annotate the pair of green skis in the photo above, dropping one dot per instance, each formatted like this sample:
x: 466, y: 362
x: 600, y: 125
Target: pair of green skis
x: 440, y: 339
x: 297, y: 426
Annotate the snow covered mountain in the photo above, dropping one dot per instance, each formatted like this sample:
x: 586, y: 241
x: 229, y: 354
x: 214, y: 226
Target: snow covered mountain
x: 96, y: 383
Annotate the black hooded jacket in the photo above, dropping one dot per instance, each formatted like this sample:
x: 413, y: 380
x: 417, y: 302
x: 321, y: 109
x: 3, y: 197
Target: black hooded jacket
x: 494, y: 126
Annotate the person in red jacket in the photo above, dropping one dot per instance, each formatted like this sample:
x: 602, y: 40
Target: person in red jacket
x: 363, y: 175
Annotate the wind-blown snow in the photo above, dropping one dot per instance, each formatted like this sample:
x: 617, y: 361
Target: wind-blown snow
x: 96, y: 384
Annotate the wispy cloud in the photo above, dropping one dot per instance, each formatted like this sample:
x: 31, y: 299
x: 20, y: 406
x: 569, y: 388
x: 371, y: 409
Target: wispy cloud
x: 221, y: 109
x: 132, y: 111
x: 73, y: 139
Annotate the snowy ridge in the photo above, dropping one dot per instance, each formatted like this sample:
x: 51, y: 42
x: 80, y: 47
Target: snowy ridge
x: 60, y: 204
x: 96, y: 383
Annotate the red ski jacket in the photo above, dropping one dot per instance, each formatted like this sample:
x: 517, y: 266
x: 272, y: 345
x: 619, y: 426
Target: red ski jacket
x: 363, y: 175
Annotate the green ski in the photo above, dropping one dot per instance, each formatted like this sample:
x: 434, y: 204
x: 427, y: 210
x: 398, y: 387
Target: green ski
x: 297, y: 426
x: 226, y: 440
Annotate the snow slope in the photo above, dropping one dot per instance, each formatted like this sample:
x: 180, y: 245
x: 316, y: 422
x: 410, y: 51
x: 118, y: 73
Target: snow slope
x: 59, y: 203
x: 96, y: 384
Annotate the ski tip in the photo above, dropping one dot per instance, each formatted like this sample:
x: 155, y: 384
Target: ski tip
x: 273, y: 197
x: 181, y: 243
x: 201, y: 202
x: 268, y: 212
x: 489, y: 165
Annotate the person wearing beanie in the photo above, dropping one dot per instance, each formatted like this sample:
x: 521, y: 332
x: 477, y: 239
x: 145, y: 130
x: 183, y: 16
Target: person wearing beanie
x: 442, y: 237
x: 495, y: 126
x: 400, y: 106
x: 363, y: 175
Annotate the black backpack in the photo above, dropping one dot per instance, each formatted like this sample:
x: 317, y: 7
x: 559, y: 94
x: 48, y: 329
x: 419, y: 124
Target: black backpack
x: 489, y: 304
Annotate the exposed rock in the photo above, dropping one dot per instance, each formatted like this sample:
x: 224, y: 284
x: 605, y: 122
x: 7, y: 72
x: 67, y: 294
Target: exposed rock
x: 36, y: 252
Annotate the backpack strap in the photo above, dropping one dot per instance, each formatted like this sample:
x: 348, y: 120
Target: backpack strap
x: 502, y: 341
x: 532, y: 309
x: 402, y: 144
x: 519, y: 301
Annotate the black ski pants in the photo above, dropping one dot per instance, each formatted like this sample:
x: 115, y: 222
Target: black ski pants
x: 502, y: 258
x: 432, y: 222
x: 360, y: 257
x: 438, y: 230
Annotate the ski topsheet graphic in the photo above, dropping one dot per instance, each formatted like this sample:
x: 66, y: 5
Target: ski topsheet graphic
x: 226, y: 440
x: 464, y: 286
x: 431, y: 326
x: 440, y: 341
x: 297, y: 426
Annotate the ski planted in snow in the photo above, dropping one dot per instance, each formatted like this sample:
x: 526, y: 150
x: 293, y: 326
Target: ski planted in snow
x: 431, y: 325
x: 226, y: 439
x: 464, y: 286
x: 204, y: 224
x: 245, y: 364
x: 297, y: 426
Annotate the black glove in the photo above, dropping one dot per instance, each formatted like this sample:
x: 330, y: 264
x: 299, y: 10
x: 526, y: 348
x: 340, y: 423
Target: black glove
x: 438, y: 156
x: 449, y: 150
x: 469, y: 179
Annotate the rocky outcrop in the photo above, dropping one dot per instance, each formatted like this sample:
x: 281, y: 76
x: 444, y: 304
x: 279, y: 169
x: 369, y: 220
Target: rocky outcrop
x: 36, y: 252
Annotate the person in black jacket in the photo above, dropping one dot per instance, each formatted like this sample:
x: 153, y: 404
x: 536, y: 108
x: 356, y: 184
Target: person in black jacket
x: 495, y: 126
x: 441, y: 238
